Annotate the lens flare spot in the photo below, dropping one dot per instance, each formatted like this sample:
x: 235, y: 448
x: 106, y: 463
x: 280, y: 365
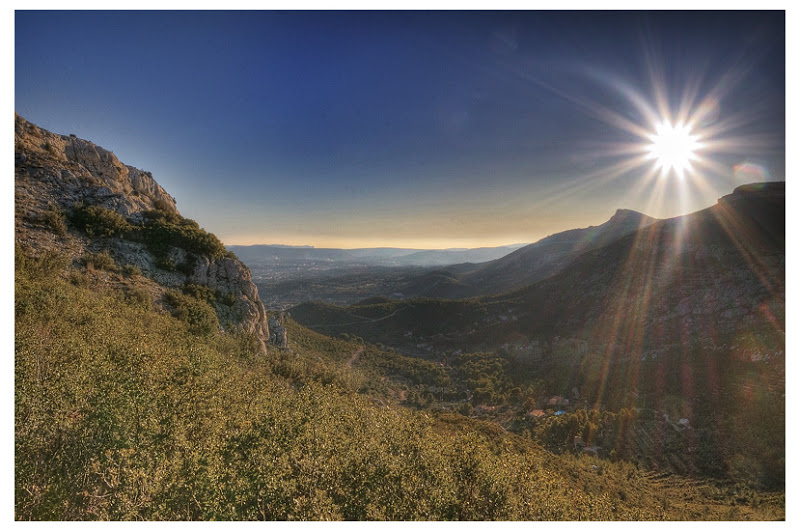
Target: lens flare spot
x: 750, y: 172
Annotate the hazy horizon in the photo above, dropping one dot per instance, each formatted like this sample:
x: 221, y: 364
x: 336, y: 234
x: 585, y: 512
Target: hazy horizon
x: 415, y: 129
x: 311, y: 246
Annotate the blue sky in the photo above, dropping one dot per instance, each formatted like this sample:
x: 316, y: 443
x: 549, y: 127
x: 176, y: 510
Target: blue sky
x: 415, y: 129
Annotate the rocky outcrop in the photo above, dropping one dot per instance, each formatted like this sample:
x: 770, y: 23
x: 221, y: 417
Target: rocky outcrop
x: 230, y: 277
x: 59, y: 173
x: 67, y: 169
x: 277, y: 330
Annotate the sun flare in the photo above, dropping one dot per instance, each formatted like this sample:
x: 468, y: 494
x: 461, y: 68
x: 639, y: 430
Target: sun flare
x: 674, y: 147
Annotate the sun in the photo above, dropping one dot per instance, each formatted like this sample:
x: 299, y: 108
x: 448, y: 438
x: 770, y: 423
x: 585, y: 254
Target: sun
x: 674, y: 147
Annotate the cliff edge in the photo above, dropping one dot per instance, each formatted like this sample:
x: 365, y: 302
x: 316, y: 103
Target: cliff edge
x: 115, y: 223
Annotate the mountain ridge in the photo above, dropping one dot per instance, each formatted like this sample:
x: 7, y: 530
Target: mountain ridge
x: 529, y: 263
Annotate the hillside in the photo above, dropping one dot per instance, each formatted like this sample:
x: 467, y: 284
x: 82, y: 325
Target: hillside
x: 125, y: 413
x: 711, y: 269
x: 549, y: 255
x: 525, y: 265
x: 294, y: 275
x: 685, y: 318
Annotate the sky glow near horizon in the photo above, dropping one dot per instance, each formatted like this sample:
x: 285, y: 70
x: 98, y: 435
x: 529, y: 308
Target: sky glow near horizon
x: 412, y: 129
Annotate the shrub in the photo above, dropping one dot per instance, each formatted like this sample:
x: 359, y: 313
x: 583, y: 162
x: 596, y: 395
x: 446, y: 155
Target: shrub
x: 187, y: 266
x: 229, y: 299
x: 247, y: 345
x: 99, y: 221
x: 163, y: 229
x: 163, y: 206
x: 102, y: 260
x: 79, y: 279
x: 45, y: 265
x: 50, y: 148
x: 130, y: 270
x: 199, y: 315
x: 54, y: 218
x: 138, y: 297
x: 166, y: 263
x: 200, y: 292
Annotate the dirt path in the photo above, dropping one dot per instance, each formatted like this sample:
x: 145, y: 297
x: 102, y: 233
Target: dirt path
x: 356, y: 353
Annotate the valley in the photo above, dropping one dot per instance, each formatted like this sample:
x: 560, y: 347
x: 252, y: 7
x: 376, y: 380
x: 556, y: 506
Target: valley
x: 288, y: 276
x: 681, y: 321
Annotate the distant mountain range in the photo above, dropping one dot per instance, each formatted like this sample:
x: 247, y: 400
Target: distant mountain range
x: 283, y: 255
x: 723, y: 262
x: 527, y: 264
x: 289, y: 275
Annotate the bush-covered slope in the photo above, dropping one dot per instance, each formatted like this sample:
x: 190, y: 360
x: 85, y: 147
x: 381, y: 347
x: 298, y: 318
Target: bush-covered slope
x: 125, y: 412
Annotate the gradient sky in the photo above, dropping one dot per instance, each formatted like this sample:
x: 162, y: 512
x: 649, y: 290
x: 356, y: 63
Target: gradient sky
x: 410, y: 129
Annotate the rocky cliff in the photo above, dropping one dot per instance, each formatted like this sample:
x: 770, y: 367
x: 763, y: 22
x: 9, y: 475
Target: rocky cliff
x: 78, y: 199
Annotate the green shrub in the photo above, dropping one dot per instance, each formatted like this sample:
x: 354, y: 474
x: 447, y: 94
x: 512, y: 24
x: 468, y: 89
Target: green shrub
x: 54, y: 218
x: 229, y: 299
x: 99, y: 221
x: 163, y: 229
x: 163, y: 206
x: 138, y: 297
x: 78, y: 278
x: 166, y: 263
x: 200, y: 292
x: 102, y: 260
x: 199, y: 315
x: 45, y: 265
x: 187, y: 266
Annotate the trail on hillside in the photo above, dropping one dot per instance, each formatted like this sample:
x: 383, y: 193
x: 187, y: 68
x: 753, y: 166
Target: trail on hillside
x: 356, y: 353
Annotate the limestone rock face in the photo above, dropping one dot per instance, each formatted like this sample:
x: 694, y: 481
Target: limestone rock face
x: 69, y: 169
x: 277, y: 330
x: 230, y: 277
x: 62, y: 172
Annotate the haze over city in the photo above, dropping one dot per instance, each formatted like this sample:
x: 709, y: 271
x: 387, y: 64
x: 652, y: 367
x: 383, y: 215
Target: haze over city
x: 416, y: 129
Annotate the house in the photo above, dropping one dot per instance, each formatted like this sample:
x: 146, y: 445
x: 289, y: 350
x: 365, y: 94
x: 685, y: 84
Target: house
x: 537, y: 413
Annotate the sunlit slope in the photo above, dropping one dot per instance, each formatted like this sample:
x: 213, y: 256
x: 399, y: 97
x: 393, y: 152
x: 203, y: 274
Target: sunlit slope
x: 122, y: 412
